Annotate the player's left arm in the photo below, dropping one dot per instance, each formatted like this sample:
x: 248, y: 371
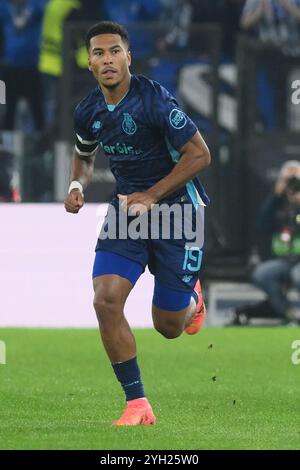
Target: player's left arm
x: 195, y: 156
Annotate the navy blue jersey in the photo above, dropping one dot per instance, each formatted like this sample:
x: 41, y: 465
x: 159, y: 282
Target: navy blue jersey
x: 141, y: 135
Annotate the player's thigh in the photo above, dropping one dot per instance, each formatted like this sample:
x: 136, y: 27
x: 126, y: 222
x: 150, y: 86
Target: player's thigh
x: 176, y: 259
x: 169, y: 306
x: 176, y: 266
x: 114, y: 276
x: 166, y: 320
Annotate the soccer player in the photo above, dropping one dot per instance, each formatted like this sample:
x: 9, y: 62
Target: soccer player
x: 155, y: 152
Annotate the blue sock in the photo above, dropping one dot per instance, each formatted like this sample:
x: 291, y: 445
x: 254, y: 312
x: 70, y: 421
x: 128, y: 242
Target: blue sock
x: 129, y: 376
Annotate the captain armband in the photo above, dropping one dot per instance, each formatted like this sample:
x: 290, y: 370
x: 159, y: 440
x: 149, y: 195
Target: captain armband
x: 85, y: 148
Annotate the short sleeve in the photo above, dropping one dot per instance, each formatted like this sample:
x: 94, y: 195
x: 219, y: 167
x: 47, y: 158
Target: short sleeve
x: 174, y: 124
x: 85, y: 144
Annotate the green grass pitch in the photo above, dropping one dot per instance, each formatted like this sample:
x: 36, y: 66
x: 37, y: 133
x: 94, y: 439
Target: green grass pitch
x: 232, y: 388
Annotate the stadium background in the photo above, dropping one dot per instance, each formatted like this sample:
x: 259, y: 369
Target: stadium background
x: 240, y: 98
x: 220, y: 76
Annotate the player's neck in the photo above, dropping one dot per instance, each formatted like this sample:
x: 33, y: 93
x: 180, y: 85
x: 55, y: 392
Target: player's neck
x: 115, y: 95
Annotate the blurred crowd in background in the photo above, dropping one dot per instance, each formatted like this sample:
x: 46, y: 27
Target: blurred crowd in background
x: 32, y: 41
x: 32, y: 35
x: 239, y: 96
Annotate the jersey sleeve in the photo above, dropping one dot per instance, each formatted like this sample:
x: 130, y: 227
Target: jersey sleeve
x: 174, y: 124
x: 85, y: 143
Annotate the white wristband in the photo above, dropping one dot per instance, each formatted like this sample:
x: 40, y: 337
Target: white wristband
x: 75, y: 185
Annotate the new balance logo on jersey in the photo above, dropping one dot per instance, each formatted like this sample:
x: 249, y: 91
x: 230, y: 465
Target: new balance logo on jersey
x: 97, y: 125
x: 120, y: 148
x: 187, y: 278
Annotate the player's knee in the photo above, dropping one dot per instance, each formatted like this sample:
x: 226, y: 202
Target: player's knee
x: 169, y: 330
x: 105, y: 304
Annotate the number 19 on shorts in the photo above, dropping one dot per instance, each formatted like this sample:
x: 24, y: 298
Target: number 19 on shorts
x: 192, y: 258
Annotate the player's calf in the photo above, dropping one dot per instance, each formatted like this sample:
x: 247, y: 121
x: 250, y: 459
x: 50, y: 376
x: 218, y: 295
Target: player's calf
x: 110, y: 295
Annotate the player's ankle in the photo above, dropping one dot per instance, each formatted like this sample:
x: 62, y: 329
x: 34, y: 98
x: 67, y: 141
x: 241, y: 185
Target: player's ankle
x: 135, y: 401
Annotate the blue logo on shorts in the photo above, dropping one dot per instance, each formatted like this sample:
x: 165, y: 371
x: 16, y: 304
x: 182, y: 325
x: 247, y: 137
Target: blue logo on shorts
x: 128, y: 124
x: 97, y: 125
x: 177, y: 119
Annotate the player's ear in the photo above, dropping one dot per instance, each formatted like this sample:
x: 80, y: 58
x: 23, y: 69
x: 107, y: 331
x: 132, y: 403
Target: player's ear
x: 89, y: 62
x: 129, y: 57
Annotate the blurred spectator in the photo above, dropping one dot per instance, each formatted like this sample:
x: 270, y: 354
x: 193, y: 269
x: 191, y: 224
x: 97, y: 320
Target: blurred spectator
x: 176, y: 17
x: 131, y: 13
x: 207, y: 11
x: 272, y: 20
x: 230, y: 11
x: 1, y: 40
x: 276, y: 24
x: 179, y: 15
x: 280, y: 218
x: 57, y: 13
x: 224, y: 12
x: 21, y: 23
x: 6, y: 173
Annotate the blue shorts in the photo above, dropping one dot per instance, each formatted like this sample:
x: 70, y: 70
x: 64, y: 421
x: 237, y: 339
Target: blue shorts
x: 165, y: 298
x: 175, y: 262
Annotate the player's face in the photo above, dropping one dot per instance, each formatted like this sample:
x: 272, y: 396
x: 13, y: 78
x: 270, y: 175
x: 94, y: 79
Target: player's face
x: 109, y: 60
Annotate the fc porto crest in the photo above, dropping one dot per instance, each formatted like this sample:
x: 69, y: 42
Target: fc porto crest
x: 128, y: 124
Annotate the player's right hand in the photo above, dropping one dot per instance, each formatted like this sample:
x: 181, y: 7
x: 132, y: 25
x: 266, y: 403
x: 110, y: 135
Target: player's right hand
x: 74, y: 201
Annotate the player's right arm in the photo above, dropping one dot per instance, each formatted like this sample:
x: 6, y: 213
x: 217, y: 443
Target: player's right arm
x: 82, y: 162
x: 82, y: 172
